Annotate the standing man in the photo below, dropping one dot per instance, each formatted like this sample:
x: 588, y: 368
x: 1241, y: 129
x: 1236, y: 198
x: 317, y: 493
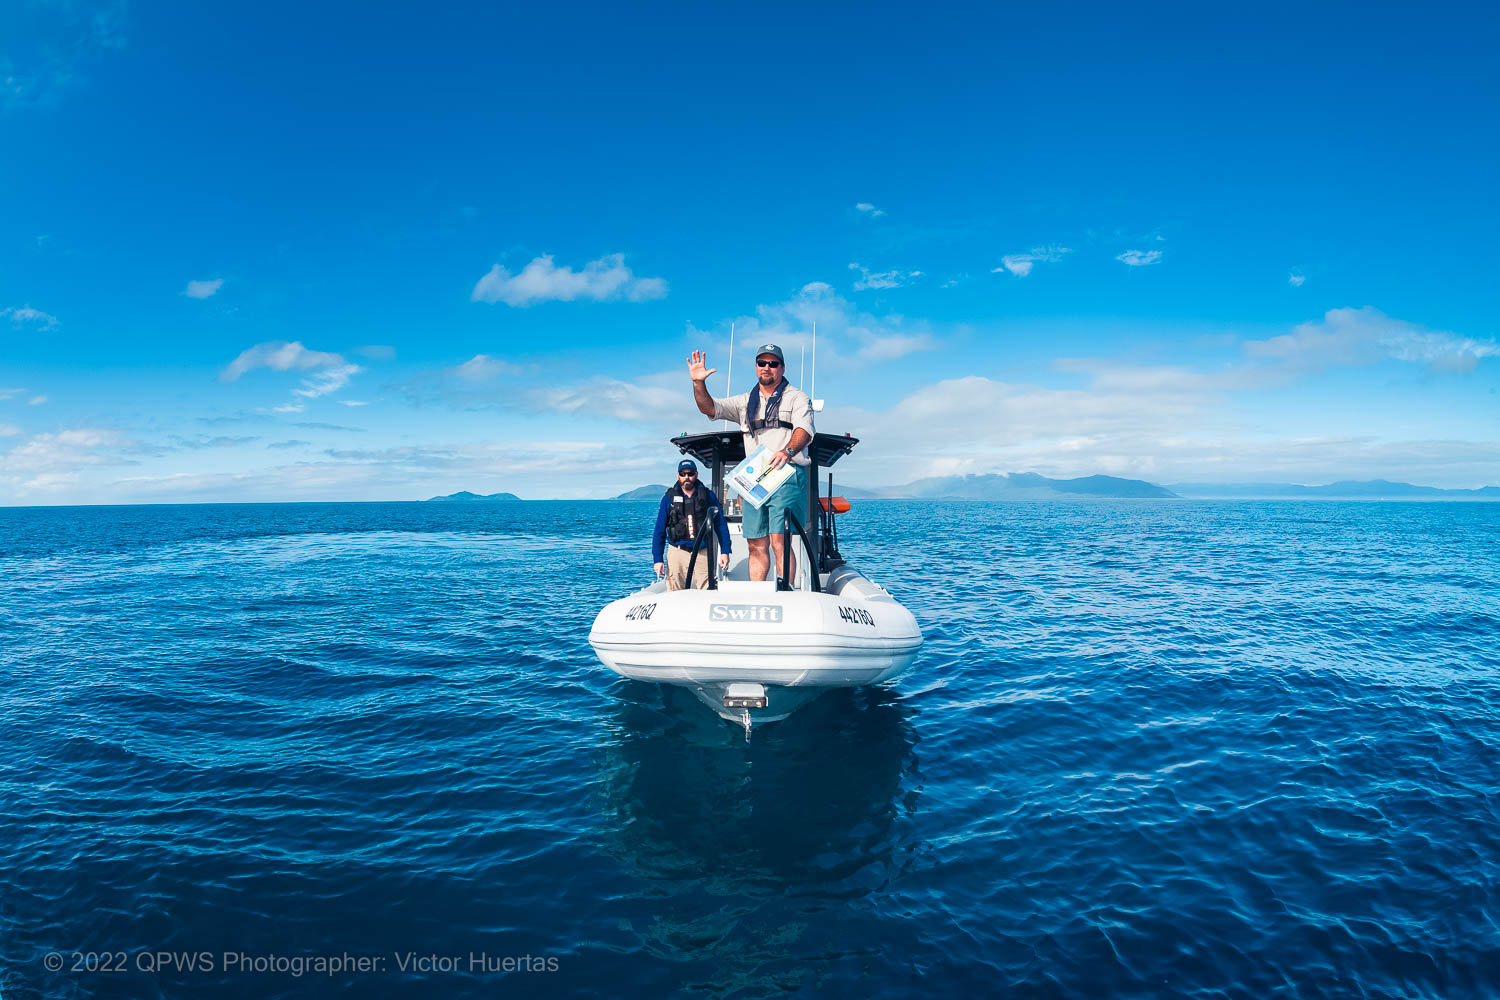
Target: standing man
x: 683, y: 510
x: 777, y: 415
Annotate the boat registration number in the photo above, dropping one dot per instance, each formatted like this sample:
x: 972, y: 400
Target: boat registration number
x: 640, y: 612
x: 857, y: 616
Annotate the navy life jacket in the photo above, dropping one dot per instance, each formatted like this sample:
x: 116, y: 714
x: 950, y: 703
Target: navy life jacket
x: 773, y: 409
x: 685, y: 514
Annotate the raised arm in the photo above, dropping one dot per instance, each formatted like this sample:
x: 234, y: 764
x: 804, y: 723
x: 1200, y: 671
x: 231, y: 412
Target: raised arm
x: 699, y: 372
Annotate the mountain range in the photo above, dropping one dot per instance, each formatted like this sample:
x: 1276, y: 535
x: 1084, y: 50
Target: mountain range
x: 464, y: 496
x: 1030, y: 486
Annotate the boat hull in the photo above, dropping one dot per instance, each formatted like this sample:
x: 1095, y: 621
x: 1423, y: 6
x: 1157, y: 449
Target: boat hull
x: 792, y: 644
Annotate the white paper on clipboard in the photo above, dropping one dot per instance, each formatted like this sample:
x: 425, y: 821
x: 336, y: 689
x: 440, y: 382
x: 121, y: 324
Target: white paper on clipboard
x: 755, y: 480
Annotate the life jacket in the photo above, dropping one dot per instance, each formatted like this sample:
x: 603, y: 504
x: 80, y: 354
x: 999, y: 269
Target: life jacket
x: 685, y: 514
x: 773, y: 409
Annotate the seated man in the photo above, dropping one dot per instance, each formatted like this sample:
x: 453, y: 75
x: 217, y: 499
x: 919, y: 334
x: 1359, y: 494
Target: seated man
x: 776, y: 415
x: 683, y: 510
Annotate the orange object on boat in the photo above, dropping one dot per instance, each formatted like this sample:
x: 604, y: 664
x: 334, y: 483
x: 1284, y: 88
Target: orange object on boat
x: 840, y: 505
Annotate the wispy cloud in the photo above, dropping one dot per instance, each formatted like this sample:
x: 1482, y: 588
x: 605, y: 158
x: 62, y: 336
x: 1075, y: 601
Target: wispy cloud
x: 328, y: 380
x: 482, y: 368
x: 203, y: 289
x: 280, y: 356
x: 293, y: 443
x: 36, y: 400
x: 1296, y: 279
x: 618, y: 400
x: 180, y: 443
x: 847, y: 336
x: 330, y: 372
x: 42, y: 65
x: 25, y: 317
x: 865, y: 208
x: 9, y: 430
x: 54, y: 460
x: 1020, y: 264
x: 881, y: 279
x: 1139, y: 258
x: 605, y: 279
x: 376, y: 352
x: 353, y: 402
x: 1366, y: 335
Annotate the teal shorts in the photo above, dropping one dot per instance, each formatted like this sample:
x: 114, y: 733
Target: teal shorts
x: 792, y: 496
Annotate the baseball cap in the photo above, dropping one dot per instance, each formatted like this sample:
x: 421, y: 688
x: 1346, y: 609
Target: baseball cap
x: 772, y: 349
x: 686, y: 464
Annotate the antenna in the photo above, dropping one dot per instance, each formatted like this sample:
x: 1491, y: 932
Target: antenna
x: 812, y: 389
x: 802, y: 371
x: 729, y: 370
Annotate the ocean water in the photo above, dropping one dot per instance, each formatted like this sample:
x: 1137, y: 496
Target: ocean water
x: 1150, y: 749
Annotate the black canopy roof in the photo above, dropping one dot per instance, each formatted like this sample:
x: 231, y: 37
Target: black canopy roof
x: 729, y: 447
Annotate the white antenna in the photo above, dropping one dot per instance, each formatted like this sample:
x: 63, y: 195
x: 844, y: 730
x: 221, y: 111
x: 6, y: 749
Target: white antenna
x: 802, y: 371
x: 812, y: 389
x: 729, y: 370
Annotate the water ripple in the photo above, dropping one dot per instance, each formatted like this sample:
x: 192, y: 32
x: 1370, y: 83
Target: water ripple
x: 1150, y: 749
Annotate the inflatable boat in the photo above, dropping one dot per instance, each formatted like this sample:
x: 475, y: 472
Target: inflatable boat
x: 755, y: 651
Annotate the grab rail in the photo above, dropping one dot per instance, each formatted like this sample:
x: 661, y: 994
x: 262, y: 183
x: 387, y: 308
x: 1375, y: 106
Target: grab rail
x: 782, y: 583
x: 713, y: 582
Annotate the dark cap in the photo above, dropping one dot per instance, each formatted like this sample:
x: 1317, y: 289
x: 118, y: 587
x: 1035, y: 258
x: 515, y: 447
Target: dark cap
x: 772, y: 349
x: 686, y: 464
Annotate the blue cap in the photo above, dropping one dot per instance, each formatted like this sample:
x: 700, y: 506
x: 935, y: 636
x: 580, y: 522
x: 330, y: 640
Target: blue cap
x: 686, y: 464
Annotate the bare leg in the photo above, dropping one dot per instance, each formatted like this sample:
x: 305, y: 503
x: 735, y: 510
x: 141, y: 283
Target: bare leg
x: 758, y: 557
x: 776, y: 568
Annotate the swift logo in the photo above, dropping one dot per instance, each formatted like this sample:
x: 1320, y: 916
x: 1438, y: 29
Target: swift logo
x: 744, y: 612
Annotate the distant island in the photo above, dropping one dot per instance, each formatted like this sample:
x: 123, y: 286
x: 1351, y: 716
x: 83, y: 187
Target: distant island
x: 652, y: 492
x: 1031, y: 486
x: 1368, y: 489
x: 464, y: 496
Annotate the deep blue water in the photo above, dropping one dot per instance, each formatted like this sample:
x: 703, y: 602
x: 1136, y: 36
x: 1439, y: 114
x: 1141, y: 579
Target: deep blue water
x: 1151, y: 749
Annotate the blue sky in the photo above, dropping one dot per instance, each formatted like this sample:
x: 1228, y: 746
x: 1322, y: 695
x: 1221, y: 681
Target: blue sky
x: 325, y: 252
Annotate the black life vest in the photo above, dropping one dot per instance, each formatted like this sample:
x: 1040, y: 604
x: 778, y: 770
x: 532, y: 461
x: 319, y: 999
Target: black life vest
x: 773, y: 409
x: 685, y: 514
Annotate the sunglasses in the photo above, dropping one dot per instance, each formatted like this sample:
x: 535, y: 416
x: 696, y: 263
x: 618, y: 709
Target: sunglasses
x: 768, y: 364
x: 689, y: 473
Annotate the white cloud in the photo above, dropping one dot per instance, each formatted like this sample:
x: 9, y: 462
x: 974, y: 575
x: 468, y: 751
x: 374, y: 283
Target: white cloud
x: 9, y: 430
x: 36, y: 400
x: 330, y: 372
x: 11, y: 393
x: 615, y: 399
x: 328, y: 380
x: 482, y: 368
x: 25, y: 316
x: 1295, y: 279
x: 847, y: 337
x: 881, y: 279
x: 1020, y: 264
x: 280, y: 356
x: 1367, y: 335
x: 353, y: 402
x: 203, y: 289
x: 543, y: 281
x: 869, y: 209
x: 1139, y: 258
x: 51, y: 461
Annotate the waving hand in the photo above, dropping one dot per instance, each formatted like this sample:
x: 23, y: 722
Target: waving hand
x: 698, y: 369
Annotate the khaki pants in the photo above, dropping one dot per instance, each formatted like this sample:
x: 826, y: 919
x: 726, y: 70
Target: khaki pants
x: 677, y: 567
